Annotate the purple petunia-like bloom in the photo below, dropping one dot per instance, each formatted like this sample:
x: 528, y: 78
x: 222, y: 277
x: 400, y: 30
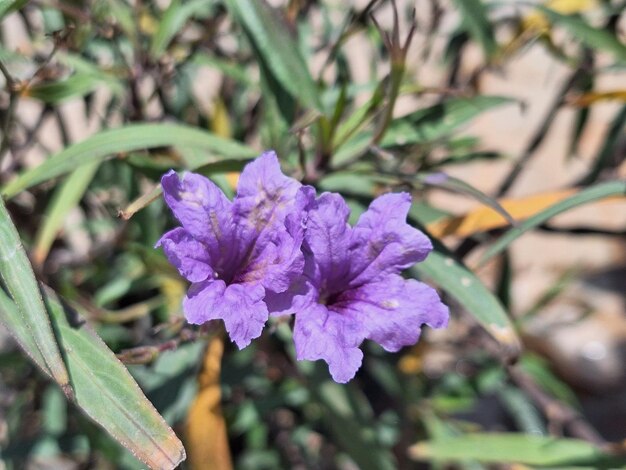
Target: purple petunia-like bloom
x: 352, y: 289
x: 232, y: 252
x: 277, y: 249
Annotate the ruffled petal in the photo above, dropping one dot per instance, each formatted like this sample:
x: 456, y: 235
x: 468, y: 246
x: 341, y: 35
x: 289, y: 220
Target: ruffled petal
x: 276, y: 261
x: 393, y: 310
x: 241, y: 307
x: 265, y: 196
x: 327, y: 242
x: 383, y: 243
x: 322, y: 334
x: 206, y: 214
x: 187, y: 254
x: 199, y: 205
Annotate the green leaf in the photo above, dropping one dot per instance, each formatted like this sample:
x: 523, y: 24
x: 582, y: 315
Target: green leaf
x: 127, y: 139
x: 173, y: 21
x: 475, y: 20
x: 510, y: 447
x: 29, y: 312
x: 471, y: 293
x: 450, y: 183
x: 351, y: 427
x: 64, y: 200
x: 277, y: 48
x: 592, y: 37
x: 9, y: 6
x: 230, y: 68
x: 608, y: 150
x: 77, y: 85
x: 438, y: 121
x: 103, y: 388
x: 593, y: 193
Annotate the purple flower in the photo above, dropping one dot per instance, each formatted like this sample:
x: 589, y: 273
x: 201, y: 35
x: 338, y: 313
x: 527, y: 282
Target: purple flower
x: 352, y: 289
x: 232, y: 252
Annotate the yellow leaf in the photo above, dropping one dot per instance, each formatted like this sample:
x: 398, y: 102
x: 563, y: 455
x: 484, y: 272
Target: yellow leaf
x: 537, y: 20
x: 536, y: 24
x: 485, y: 218
x: 220, y: 121
x: 207, y: 440
x: 593, y: 97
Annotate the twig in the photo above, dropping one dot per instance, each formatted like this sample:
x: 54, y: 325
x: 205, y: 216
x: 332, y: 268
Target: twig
x: 10, y: 84
x: 582, y: 230
x: 545, y: 125
x: 147, y: 354
x: 557, y: 412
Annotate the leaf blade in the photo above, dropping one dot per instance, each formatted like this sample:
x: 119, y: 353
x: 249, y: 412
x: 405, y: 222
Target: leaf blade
x: 19, y: 279
x: 125, y: 139
x: 276, y: 47
x: 593, y: 193
x: 471, y: 293
x: 509, y: 447
x: 94, y: 370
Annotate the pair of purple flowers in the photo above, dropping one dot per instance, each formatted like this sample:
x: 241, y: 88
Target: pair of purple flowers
x: 277, y: 249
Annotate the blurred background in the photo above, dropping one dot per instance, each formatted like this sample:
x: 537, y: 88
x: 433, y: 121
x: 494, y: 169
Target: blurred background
x: 494, y: 112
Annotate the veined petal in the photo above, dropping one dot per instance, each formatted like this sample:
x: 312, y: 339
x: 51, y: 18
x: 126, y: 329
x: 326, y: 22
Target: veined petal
x: 382, y: 241
x: 300, y: 296
x: 327, y: 241
x: 393, y: 310
x: 276, y: 261
x: 241, y: 307
x: 265, y: 196
x: 199, y: 205
x: 187, y: 254
x: 322, y: 334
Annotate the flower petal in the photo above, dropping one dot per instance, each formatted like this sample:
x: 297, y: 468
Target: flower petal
x: 323, y: 334
x: 393, y: 309
x: 327, y: 240
x: 276, y: 261
x: 187, y: 254
x: 199, y: 205
x: 241, y: 307
x: 265, y: 196
x: 383, y: 243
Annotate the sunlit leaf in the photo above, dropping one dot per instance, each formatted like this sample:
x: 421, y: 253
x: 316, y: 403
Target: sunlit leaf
x: 469, y: 291
x: 593, y: 193
x: 483, y: 218
x: 510, y: 447
x: 65, y: 198
x: 107, y: 143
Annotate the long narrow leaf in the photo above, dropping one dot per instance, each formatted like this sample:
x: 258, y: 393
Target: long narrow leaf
x: 476, y: 22
x: 511, y: 447
x: 30, y: 312
x: 65, y: 199
x: 593, y: 193
x: 102, y: 386
x: 593, y: 37
x: 278, y: 49
x: 126, y: 139
x: 471, y: 293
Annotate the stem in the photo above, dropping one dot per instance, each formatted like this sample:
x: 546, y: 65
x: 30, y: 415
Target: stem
x: 10, y: 112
